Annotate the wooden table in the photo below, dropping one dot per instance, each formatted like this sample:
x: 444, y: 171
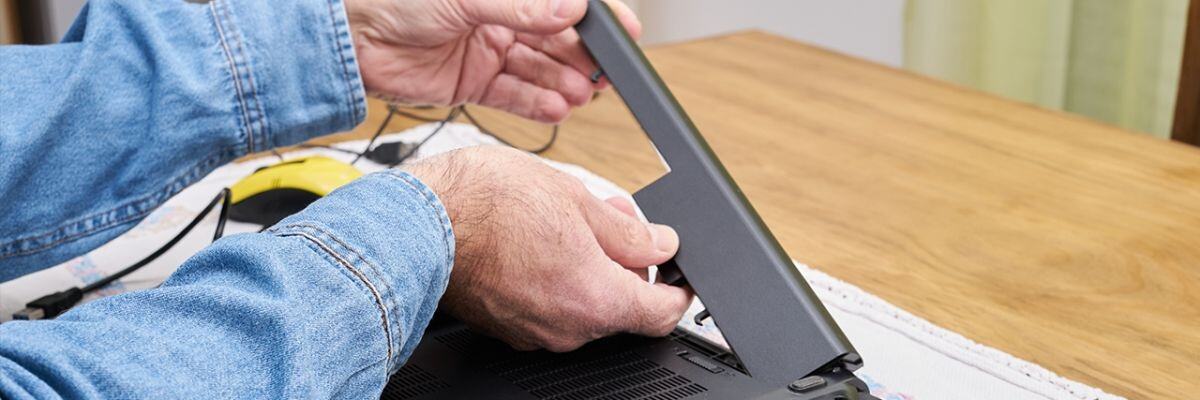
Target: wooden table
x: 1062, y: 241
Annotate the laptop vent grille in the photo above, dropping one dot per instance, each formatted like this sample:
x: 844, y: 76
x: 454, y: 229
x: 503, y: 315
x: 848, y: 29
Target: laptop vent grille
x: 583, y: 376
x: 591, y: 373
x: 459, y: 340
x: 410, y: 382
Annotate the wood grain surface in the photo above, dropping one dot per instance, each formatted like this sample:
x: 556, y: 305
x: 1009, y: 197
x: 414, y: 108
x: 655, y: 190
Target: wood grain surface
x: 1065, y: 242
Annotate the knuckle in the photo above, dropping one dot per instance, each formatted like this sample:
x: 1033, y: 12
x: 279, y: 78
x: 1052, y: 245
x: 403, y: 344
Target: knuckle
x: 657, y: 320
x: 524, y: 12
x: 554, y: 111
x: 640, y: 319
x: 569, y: 185
x: 649, y: 323
x: 531, y: 14
x: 654, y: 323
x: 637, y: 235
x: 577, y: 91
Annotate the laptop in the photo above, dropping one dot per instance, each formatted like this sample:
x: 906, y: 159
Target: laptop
x: 781, y: 342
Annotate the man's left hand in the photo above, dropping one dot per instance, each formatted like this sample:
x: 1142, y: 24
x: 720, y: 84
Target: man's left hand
x: 519, y: 56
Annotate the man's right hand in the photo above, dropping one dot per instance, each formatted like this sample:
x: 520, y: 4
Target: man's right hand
x: 539, y: 261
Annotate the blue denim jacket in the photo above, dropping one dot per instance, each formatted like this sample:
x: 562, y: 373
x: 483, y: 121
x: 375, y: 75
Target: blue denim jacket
x: 143, y: 98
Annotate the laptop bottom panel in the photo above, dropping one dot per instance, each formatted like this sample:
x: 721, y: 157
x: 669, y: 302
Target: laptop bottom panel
x: 453, y: 362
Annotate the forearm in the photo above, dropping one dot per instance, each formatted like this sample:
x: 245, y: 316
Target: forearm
x: 326, y: 304
x: 145, y: 98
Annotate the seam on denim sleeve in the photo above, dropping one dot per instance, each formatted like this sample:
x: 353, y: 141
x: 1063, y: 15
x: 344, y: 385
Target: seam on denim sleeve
x: 435, y: 205
x: 123, y: 213
x: 389, y: 294
x: 380, y: 302
x: 340, y: 31
x: 239, y: 71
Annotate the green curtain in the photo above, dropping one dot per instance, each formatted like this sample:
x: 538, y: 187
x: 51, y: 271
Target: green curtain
x: 1116, y: 61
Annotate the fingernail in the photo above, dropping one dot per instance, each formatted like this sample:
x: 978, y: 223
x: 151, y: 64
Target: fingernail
x: 665, y: 238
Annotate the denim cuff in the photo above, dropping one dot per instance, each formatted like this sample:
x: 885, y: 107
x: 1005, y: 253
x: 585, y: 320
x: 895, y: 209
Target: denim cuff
x: 392, y: 234
x: 294, y: 69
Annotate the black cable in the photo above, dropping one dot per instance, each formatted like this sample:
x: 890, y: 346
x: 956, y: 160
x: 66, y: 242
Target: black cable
x: 441, y: 124
x: 371, y: 143
x: 415, y: 117
x: 482, y: 129
x: 538, y: 150
x: 328, y: 147
x: 52, y: 305
x: 549, y: 143
x: 221, y: 197
x: 385, y: 153
x: 226, y: 200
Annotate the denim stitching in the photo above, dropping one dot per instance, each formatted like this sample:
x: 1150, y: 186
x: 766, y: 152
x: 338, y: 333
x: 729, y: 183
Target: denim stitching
x: 431, y: 201
x: 378, y: 272
x: 233, y: 72
x: 243, y: 60
x: 103, y: 220
x: 440, y: 219
x: 379, y: 302
x: 337, y: 39
x: 141, y: 206
x: 389, y: 296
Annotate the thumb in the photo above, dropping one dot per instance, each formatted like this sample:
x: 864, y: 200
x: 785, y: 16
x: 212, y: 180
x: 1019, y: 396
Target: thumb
x: 528, y: 16
x: 626, y: 239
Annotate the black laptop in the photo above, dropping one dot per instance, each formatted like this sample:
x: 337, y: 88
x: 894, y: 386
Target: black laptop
x: 782, y: 343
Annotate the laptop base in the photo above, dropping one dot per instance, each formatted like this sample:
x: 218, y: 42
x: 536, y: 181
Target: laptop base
x: 452, y: 362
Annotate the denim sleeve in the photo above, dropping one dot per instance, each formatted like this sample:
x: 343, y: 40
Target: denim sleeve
x: 143, y: 98
x: 326, y: 304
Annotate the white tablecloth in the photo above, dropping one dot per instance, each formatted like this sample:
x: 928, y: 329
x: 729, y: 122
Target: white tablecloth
x: 906, y: 357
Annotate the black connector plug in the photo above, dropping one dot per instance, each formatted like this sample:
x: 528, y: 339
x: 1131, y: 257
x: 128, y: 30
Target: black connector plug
x: 50, y: 306
x: 390, y: 153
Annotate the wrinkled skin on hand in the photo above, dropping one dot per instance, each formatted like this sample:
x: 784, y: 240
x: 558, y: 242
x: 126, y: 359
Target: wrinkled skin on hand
x: 520, y: 56
x: 540, y: 262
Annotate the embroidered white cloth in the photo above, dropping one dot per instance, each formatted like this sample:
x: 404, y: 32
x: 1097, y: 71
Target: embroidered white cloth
x: 906, y: 357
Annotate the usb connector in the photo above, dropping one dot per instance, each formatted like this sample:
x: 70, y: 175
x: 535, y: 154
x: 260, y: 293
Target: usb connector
x: 29, y: 314
x: 50, y: 306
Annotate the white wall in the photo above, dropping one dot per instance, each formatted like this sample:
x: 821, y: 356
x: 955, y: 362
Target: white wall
x: 62, y: 14
x: 48, y: 20
x: 871, y: 29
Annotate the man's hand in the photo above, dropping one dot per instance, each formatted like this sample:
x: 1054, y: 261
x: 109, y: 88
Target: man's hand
x: 520, y: 56
x: 540, y: 262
